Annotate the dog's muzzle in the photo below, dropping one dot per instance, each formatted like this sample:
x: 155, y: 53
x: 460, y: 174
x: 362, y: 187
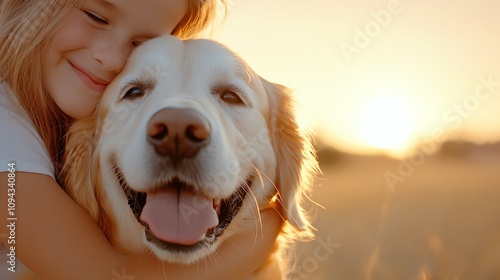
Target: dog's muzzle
x: 175, y: 216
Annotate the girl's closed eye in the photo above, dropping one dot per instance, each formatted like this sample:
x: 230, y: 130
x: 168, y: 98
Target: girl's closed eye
x: 95, y: 18
x: 101, y: 21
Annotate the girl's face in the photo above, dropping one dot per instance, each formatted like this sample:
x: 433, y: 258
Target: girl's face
x: 92, y: 47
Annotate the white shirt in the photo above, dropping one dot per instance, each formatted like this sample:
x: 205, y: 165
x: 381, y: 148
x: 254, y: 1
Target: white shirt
x: 20, y: 143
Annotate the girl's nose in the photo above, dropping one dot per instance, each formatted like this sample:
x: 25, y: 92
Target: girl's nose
x: 112, y: 55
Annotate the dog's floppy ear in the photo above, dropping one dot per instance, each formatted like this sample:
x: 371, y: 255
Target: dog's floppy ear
x: 296, y: 158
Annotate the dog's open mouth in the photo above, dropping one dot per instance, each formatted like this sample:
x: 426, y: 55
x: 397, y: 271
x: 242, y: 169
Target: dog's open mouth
x: 177, y: 219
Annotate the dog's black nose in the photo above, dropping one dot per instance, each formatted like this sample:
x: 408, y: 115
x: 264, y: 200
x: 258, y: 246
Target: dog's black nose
x: 178, y: 133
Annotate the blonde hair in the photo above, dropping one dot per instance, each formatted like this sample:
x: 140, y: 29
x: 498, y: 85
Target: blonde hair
x: 27, y: 27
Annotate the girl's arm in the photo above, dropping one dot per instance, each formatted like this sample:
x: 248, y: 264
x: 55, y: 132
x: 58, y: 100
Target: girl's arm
x: 57, y: 239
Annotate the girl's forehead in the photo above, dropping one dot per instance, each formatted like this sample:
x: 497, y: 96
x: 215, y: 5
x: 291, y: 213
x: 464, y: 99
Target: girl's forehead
x: 153, y: 16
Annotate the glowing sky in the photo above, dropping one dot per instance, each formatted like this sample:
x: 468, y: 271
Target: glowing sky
x: 372, y: 74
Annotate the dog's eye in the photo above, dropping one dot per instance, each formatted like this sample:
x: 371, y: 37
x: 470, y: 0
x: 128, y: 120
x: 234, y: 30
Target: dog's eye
x: 133, y: 93
x: 230, y: 97
x: 229, y: 94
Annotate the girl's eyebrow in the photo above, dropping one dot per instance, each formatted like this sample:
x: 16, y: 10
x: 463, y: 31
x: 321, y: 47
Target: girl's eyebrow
x: 106, y: 4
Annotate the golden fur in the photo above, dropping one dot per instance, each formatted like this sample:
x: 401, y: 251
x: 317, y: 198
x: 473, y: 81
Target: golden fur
x: 296, y: 164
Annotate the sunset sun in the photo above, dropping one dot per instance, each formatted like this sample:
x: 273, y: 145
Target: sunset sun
x: 386, y: 124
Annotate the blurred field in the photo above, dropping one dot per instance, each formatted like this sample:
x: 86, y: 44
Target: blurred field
x: 442, y: 223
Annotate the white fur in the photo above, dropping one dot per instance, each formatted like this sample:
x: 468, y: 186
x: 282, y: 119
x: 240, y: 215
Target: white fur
x: 260, y: 139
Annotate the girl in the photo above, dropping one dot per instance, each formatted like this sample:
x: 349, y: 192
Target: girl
x: 56, y: 59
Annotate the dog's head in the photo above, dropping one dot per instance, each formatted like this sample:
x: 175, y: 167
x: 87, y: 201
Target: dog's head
x: 190, y: 143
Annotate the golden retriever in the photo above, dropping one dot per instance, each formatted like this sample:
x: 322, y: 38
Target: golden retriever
x: 187, y: 144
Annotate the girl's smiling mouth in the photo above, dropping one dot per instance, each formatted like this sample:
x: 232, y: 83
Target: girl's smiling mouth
x: 90, y: 80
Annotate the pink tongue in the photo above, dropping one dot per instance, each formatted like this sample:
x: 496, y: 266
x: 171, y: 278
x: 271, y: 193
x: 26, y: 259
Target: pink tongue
x: 178, y: 215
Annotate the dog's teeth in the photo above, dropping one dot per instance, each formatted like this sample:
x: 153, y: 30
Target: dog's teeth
x: 202, y: 237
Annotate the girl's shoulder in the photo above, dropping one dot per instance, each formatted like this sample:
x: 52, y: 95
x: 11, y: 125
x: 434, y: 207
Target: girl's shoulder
x: 20, y: 143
